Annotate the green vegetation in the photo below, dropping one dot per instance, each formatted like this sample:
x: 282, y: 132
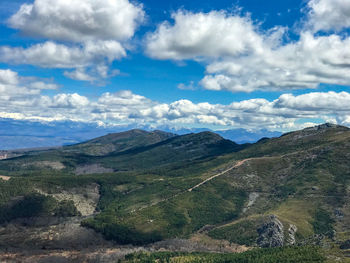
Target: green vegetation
x: 34, y: 205
x: 178, y: 217
x: 244, y: 232
x: 323, y: 223
x: 281, y: 255
x: 298, y: 178
x: 299, y: 213
x: 130, y: 151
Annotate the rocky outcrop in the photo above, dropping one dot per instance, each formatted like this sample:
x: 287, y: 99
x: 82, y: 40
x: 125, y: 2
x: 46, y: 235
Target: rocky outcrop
x: 290, y: 238
x: 271, y: 233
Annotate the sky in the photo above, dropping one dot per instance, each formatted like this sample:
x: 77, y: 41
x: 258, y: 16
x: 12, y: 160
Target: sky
x: 252, y: 64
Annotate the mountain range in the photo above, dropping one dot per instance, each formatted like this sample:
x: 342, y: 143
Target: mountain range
x: 157, y: 190
x: 20, y: 134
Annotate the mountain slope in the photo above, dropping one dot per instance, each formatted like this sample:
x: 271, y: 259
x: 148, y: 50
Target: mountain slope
x: 184, y: 148
x: 302, y: 179
x: 119, y: 142
x: 318, y: 136
x: 126, y: 151
x: 201, y: 186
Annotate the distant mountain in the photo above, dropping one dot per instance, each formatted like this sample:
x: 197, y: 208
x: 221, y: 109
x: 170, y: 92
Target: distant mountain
x: 125, y: 151
x: 244, y: 136
x: 18, y: 134
x: 239, y: 136
x: 119, y: 142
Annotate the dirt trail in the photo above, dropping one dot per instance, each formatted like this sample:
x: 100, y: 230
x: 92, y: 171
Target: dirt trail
x: 5, y: 178
x: 239, y: 163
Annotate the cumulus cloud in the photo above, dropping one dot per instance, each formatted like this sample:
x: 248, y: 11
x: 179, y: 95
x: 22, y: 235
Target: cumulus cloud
x: 240, y: 57
x: 328, y: 15
x: 21, y: 98
x: 92, y: 55
x: 303, y: 64
x: 79, y: 74
x: 78, y: 20
x: 86, y: 35
x: 196, y: 35
x: 13, y: 85
x: 53, y: 55
x: 8, y: 77
x: 69, y: 101
x: 316, y: 101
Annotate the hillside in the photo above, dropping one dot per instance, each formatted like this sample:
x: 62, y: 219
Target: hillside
x: 126, y: 151
x: 119, y: 142
x: 156, y: 186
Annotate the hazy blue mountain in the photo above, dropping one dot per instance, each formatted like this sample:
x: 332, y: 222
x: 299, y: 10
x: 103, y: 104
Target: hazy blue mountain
x: 18, y: 134
x: 237, y: 135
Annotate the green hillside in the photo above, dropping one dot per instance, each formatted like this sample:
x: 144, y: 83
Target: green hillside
x: 156, y: 186
x: 128, y: 151
x: 119, y: 142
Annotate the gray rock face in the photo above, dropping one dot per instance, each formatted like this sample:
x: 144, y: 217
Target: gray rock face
x: 290, y: 239
x: 271, y: 233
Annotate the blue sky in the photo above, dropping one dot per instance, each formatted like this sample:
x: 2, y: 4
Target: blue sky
x: 280, y: 65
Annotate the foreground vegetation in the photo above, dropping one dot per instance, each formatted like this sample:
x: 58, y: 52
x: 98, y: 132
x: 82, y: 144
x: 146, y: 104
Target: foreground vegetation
x: 280, y: 255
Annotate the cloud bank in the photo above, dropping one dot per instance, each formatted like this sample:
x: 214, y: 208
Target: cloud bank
x: 20, y: 99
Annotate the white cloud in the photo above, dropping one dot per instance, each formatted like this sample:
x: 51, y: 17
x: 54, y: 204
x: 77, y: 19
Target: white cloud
x: 14, y: 86
x: 125, y: 107
x: 317, y: 101
x: 79, y: 74
x: 197, y: 35
x: 328, y: 15
x: 303, y: 64
x: 40, y: 85
x: 21, y: 98
x: 90, y: 60
x: 190, y: 86
x: 53, y: 55
x: 239, y: 57
x: 85, y: 35
x: 69, y: 101
x: 123, y: 98
x: 8, y: 77
x: 78, y: 20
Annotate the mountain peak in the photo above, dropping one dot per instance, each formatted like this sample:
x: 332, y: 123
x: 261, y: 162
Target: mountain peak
x: 325, y: 126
